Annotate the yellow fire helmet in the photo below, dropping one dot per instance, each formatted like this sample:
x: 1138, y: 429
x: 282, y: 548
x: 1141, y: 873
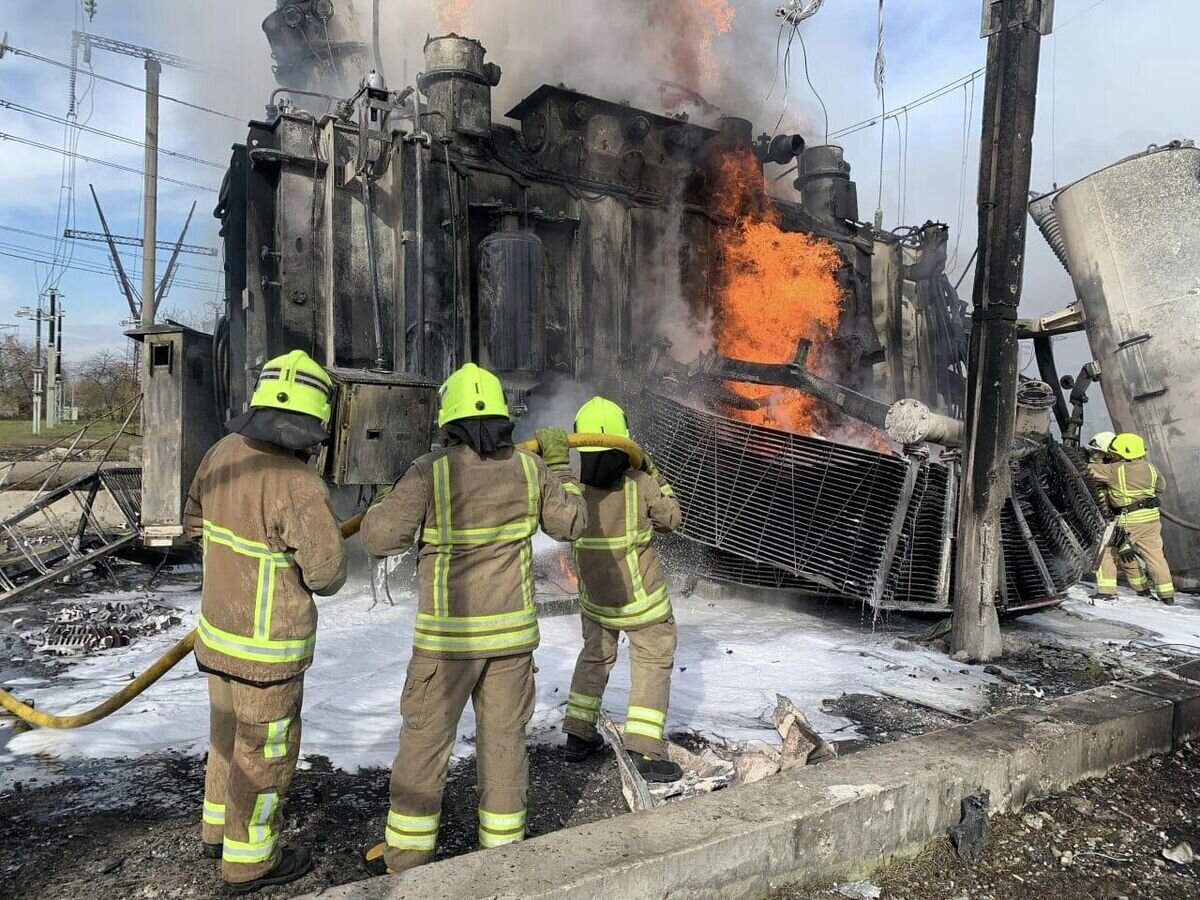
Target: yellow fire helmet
x: 471, y: 392
x: 1101, y: 441
x: 295, y: 382
x: 1128, y: 446
x: 600, y: 416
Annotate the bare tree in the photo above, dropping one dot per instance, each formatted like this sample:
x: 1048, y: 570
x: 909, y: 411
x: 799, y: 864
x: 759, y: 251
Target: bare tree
x: 201, y: 318
x: 105, y: 380
x: 17, y: 359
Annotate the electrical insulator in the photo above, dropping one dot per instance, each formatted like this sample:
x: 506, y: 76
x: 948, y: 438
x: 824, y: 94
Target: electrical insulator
x: 89, y: 7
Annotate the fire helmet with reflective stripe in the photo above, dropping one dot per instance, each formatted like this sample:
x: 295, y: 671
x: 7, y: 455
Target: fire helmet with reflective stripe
x: 1101, y: 441
x: 601, y: 416
x: 1128, y: 446
x: 295, y: 383
x: 471, y: 392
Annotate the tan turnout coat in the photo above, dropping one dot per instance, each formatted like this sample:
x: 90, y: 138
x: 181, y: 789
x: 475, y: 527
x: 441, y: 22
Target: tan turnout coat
x: 270, y: 541
x: 472, y: 517
x: 621, y: 582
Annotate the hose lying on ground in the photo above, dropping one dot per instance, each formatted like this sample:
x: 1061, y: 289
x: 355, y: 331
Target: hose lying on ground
x: 181, y: 650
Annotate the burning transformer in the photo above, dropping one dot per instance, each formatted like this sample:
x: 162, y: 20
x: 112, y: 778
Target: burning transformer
x: 398, y: 234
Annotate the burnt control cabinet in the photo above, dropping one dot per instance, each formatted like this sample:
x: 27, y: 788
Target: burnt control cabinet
x: 180, y: 423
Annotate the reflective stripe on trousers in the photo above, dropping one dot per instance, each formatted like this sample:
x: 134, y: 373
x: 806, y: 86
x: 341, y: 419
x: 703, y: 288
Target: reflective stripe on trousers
x: 584, y: 707
x: 262, y: 836
x: 439, y: 631
x: 257, y: 646
x: 412, y: 832
x: 498, y: 829
x: 644, y: 607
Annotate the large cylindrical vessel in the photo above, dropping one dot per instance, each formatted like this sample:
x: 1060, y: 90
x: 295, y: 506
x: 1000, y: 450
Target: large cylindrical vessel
x: 512, y: 317
x: 1132, y: 239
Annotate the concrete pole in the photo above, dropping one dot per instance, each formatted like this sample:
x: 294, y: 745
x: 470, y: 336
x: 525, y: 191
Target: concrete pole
x: 150, y: 193
x: 38, y: 385
x: 52, y: 363
x: 1014, y: 31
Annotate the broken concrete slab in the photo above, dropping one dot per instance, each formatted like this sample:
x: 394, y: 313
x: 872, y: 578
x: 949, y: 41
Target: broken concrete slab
x: 834, y: 821
x: 1185, y: 695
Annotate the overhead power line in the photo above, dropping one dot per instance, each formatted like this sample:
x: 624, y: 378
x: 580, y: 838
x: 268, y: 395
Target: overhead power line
x: 125, y: 84
x: 38, y: 114
x: 103, y: 251
x: 11, y: 251
x: 101, y: 162
x: 935, y: 94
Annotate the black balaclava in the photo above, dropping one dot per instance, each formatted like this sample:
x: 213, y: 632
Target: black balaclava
x: 293, y: 431
x: 483, y: 434
x: 604, y: 469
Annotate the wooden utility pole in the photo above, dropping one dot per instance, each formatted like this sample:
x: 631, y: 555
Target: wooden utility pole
x: 1014, y: 30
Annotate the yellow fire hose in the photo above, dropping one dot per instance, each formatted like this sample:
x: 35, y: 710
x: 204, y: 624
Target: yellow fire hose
x: 176, y: 654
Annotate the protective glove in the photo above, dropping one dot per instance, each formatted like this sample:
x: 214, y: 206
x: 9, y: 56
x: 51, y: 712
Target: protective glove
x: 648, y: 466
x: 556, y: 452
x: 1127, y: 552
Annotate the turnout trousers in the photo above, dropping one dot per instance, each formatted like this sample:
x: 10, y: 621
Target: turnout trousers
x: 651, y: 656
x: 254, y: 745
x: 1146, y: 538
x: 435, y: 693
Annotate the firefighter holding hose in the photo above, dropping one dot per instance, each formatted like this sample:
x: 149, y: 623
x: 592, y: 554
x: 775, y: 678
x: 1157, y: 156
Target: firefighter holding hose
x: 270, y: 542
x: 1132, y: 486
x: 621, y: 589
x: 472, y: 507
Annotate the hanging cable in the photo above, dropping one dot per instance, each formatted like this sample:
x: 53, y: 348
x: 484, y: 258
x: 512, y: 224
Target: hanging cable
x: 17, y: 51
x: 101, y: 162
x: 880, y: 75
x: 808, y: 78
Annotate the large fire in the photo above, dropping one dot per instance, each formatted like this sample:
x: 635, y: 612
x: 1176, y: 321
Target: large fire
x: 776, y: 288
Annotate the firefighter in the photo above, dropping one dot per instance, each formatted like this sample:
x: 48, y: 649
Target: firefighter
x: 1132, y: 487
x: 1098, y: 449
x: 621, y: 589
x: 270, y: 542
x: 473, y: 507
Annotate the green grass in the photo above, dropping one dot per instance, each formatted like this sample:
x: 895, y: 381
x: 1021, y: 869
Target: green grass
x: 18, y: 433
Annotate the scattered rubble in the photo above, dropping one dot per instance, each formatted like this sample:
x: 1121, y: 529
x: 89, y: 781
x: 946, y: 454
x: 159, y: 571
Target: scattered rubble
x: 88, y: 628
x: 969, y: 836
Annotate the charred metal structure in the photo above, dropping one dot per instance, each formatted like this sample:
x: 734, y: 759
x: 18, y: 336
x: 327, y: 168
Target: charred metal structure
x: 397, y: 234
x: 1129, y: 235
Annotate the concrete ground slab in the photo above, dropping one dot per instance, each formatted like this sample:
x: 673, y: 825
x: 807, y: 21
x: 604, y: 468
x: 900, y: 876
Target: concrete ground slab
x: 833, y: 821
x: 1183, y: 694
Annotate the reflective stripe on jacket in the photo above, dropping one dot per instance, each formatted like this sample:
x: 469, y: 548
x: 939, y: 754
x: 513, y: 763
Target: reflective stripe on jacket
x: 621, y: 582
x: 270, y: 540
x: 1127, y: 482
x: 475, y: 516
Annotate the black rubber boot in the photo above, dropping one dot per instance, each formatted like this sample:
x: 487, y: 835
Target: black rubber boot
x: 1168, y: 601
x: 577, y: 749
x: 1145, y: 595
x: 375, y: 863
x: 658, y: 771
x: 294, y: 864
x: 210, y: 851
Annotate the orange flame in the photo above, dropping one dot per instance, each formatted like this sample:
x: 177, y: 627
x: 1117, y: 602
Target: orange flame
x: 452, y: 15
x: 776, y: 288
x: 567, y: 570
x: 689, y: 28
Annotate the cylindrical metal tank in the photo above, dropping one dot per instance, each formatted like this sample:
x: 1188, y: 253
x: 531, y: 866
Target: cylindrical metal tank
x: 1132, y: 238
x: 826, y: 191
x: 512, y: 316
x: 317, y: 46
x: 458, y: 85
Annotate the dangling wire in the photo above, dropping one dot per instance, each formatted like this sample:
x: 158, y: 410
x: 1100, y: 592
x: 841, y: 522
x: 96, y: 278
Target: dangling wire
x: 880, y: 74
x: 808, y: 78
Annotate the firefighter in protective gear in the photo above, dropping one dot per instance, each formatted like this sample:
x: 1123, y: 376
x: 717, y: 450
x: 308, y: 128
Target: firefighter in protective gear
x: 270, y: 542
x: 1098, y: 446
x: 621, y: 589
x: 472, y: 507
x: 1132, y: 487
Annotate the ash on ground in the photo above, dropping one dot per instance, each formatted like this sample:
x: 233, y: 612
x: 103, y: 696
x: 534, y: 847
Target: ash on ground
x: 1125, y: 835
x: 125, y: 826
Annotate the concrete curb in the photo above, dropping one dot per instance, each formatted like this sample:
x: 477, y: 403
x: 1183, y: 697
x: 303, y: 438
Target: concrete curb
x: 833, y: 821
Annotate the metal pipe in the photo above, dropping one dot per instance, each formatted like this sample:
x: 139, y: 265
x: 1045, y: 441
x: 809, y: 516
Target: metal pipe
x: 150, y: 193
x: 375, y: 37
x: 376, y: 301
x: 419, y: 139
x: 1043, y: 350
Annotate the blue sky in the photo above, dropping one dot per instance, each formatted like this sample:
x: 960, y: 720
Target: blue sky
x: 1116, y: 76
